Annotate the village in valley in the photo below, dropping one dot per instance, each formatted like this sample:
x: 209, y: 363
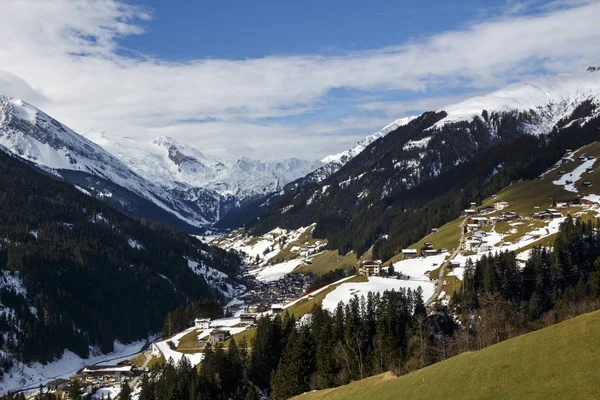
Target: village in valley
x: 282, y: 267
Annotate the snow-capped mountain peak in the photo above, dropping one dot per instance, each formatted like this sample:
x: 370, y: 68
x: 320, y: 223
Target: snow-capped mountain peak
x: 37, y: 138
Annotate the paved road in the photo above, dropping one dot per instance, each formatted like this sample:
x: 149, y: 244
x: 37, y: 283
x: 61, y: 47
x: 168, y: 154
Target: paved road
x: 440, y: 282
x: 148, y: 356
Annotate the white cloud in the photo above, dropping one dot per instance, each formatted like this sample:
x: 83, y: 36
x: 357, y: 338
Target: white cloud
x: 63, y: 56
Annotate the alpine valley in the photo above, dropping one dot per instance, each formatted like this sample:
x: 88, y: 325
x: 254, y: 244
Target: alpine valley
x: 442, y: 233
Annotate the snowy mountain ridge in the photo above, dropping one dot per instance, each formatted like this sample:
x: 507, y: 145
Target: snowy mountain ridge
x: 553, y: 97
x: 175, y: 165
x: 200, y: 189
x: 345, y: 156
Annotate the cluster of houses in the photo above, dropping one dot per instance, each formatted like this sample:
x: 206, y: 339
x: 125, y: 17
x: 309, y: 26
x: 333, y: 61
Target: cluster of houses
x: 283, y: 290
x: 498, y: 206
x: 93, y: 377
x: 576, y: 201
x: 426, y: 251
x: 475, y: 243
x: 312, y: 249
x: 549, y: 213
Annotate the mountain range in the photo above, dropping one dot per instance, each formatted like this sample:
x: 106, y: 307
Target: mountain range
x: 58, y: 243
x: 425, y: 172
x: 165, y: 179
x: 171, y: 182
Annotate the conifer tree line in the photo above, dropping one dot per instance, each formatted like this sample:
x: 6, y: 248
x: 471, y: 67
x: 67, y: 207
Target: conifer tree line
x: 369, y: 335
x: 180, y: 319
x: 393, y: 331
x: 552, y: 279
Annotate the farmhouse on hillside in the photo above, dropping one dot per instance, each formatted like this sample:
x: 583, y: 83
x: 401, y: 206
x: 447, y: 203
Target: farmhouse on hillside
x: 370, y: 268
x: 202, y: 323
x: 276, y: 309
x: 217, y: 336
x: 247, y: 319
x: 409, y: 253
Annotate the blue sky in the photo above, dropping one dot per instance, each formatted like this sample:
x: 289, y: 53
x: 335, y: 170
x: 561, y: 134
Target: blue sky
x: 188, y: 29
x: 274, y: 79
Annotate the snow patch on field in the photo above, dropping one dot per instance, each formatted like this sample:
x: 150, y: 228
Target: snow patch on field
x: 104, y: 392
x: 419, y: 268
x: 346, y: 291
x: 274, y: 272
x: 569, y: 180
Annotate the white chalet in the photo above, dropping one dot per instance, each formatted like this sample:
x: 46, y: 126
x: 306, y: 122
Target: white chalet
x: 202, y: 323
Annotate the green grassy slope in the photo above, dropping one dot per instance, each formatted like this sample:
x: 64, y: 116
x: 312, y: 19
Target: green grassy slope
x: 559, y: 362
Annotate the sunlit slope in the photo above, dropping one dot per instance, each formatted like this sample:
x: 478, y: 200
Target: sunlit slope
x: 559, y: 362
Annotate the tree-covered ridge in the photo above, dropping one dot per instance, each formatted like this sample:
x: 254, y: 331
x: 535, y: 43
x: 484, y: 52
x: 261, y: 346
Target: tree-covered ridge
x: 382, y: 198
x: 91, y: 275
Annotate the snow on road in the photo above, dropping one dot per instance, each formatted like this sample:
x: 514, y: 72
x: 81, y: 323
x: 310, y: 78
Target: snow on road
x: 167, y: 347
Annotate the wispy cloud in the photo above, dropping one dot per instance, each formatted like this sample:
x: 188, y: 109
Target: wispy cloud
x: 64, y: 56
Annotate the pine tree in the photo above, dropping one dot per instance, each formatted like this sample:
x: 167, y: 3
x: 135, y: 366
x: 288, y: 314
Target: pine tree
x: 125, y: 393
x: 74, y: 390
x: 296, y: 366
x: 145, y: 388
x: 251, y: 393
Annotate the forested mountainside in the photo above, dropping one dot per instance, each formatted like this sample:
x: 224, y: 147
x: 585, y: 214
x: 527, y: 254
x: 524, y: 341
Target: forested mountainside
x: 77, y: 274
x: 424, y: 174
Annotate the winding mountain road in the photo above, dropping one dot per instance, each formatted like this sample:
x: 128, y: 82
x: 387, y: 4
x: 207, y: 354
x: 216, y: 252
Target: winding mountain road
x: 440, y: 282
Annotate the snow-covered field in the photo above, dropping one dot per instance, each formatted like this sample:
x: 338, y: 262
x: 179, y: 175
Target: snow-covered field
x: 418, y: 268
x: 569, y: 180
x: 104, y: 392
x: 271, y: 273
x: 346, y: 291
